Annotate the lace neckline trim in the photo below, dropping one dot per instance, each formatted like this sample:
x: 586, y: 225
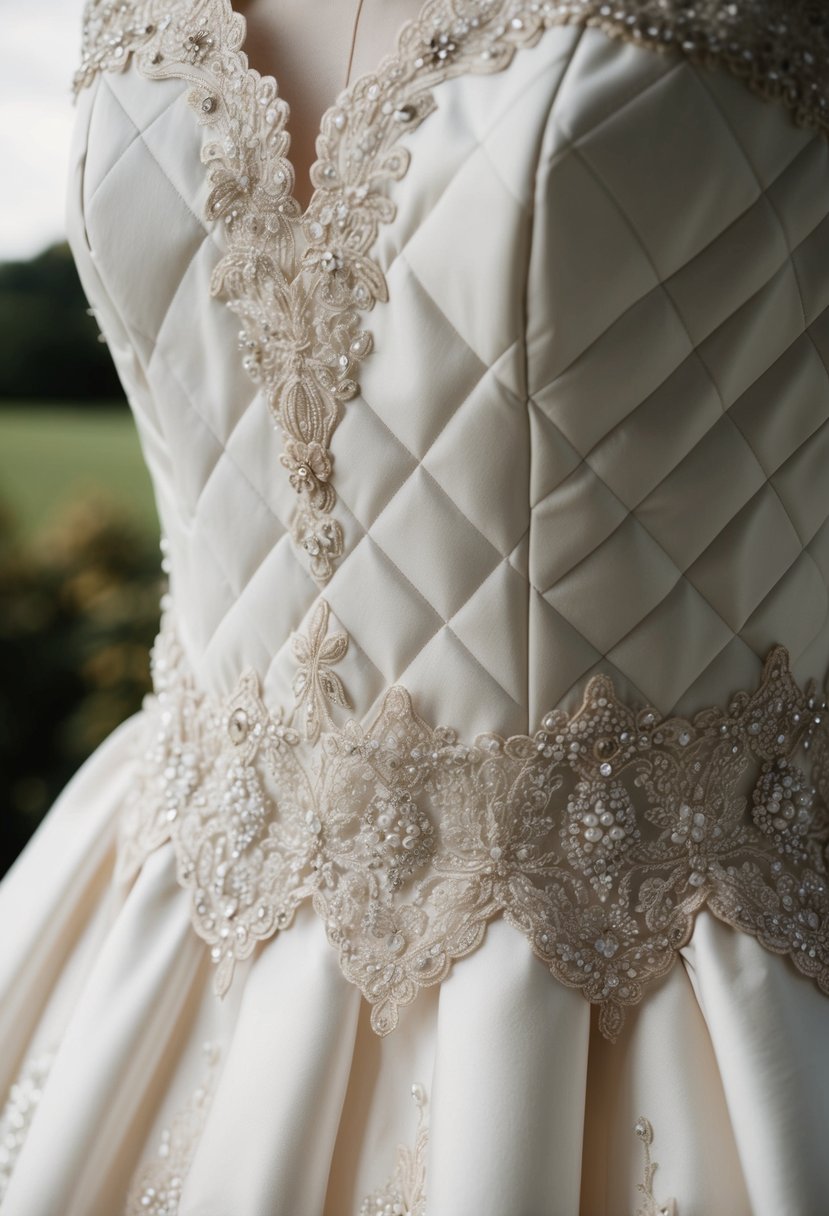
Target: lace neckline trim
x: 599, y: 836
x: 390, y: 62
x: 301, y: 336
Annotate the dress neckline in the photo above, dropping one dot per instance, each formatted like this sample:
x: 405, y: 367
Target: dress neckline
x: 340, y: 101
x: 340, y: 104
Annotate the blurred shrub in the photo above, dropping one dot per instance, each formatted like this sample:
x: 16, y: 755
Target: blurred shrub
x: 79, y: 609
x: 49, y: 348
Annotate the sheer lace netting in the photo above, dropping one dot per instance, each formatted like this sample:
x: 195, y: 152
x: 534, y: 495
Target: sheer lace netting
x: 599, y: 836
x: 301, y: 336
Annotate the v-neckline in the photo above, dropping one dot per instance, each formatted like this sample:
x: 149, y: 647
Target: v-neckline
x: 299, y: 278
x: 390, y: 58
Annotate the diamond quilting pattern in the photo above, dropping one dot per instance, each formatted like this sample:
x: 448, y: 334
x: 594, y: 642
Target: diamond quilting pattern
x: 711, y: 500
x: 602, y: 455
x: 651, y: 519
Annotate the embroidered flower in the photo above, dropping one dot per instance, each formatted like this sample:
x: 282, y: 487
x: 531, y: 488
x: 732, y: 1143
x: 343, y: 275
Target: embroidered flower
x: 321, y: 537
x: 328, y: 260
x: 197, y: 45
x: 309, y: 463
x: 315, y: 684
x: 342, y: 345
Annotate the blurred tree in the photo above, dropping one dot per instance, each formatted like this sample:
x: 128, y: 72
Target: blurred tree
x: 78, y: 613
x: 49, y: 348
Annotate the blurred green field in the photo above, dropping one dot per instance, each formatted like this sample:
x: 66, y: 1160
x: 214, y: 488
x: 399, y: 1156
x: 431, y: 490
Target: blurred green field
x: 51, y: 455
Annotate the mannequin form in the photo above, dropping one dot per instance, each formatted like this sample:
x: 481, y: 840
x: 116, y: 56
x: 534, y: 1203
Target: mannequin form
x: 315, y: 48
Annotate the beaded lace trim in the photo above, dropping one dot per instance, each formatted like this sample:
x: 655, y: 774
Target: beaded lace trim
x: 599, y: 836
x: 19, y: 1111
x: 299, y: 308
x: 157, y: 1186
x: 405, y: 1192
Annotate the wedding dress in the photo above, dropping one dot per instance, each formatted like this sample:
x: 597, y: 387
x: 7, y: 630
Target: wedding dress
x: 470, y: 855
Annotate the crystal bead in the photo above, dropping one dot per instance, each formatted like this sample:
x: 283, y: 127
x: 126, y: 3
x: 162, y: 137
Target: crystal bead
x: 238, y: 726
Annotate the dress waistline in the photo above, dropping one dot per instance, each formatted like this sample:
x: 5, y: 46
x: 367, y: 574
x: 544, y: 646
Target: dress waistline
x: 599, y: 836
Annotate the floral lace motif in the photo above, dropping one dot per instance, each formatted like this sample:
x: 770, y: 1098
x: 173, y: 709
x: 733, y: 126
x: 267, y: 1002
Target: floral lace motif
x: 299, y: 310
x: 599, y: 836
x: 157, y: 1185
x: 405, y: 1192
x: 651, y: 1206
x: 18, y: 1112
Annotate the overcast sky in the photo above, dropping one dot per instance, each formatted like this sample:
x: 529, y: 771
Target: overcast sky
x: 39, y: 51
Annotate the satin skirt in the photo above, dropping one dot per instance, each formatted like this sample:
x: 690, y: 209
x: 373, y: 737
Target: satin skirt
x: 495, y: 1096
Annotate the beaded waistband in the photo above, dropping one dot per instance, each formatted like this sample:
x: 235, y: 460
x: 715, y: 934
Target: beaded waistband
x: 599, y: 836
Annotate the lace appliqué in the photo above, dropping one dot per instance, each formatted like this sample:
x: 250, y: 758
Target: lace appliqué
x: 315, y: 684
x: 157, y: 1185
x: 299, y: 311
x: 599, y: 836
x: 19, y: 1111
x: 405, y: 1192
x: 651, y: 1206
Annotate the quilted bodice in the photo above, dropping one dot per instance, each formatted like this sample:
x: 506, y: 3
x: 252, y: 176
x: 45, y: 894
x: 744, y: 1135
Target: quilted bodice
x: 592, y: 390
x: 534, y: 390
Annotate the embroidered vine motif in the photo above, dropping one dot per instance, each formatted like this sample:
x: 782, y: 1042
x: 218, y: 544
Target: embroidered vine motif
x: 300, y: 335
x: 157, y: 1185
x: 19, y: 1111
x: 650, y: 1207
x: 405, y: 1192
x: 599, y: 836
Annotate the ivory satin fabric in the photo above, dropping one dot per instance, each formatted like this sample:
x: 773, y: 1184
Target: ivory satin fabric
x: 521, y: 508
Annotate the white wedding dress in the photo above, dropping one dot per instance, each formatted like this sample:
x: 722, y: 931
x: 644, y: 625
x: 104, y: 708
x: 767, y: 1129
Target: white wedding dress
x: 470, y: 857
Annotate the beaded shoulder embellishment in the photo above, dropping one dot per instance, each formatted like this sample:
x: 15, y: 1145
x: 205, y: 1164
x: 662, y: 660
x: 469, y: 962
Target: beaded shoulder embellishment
x: 301, y: 336
x: 599, y: 836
